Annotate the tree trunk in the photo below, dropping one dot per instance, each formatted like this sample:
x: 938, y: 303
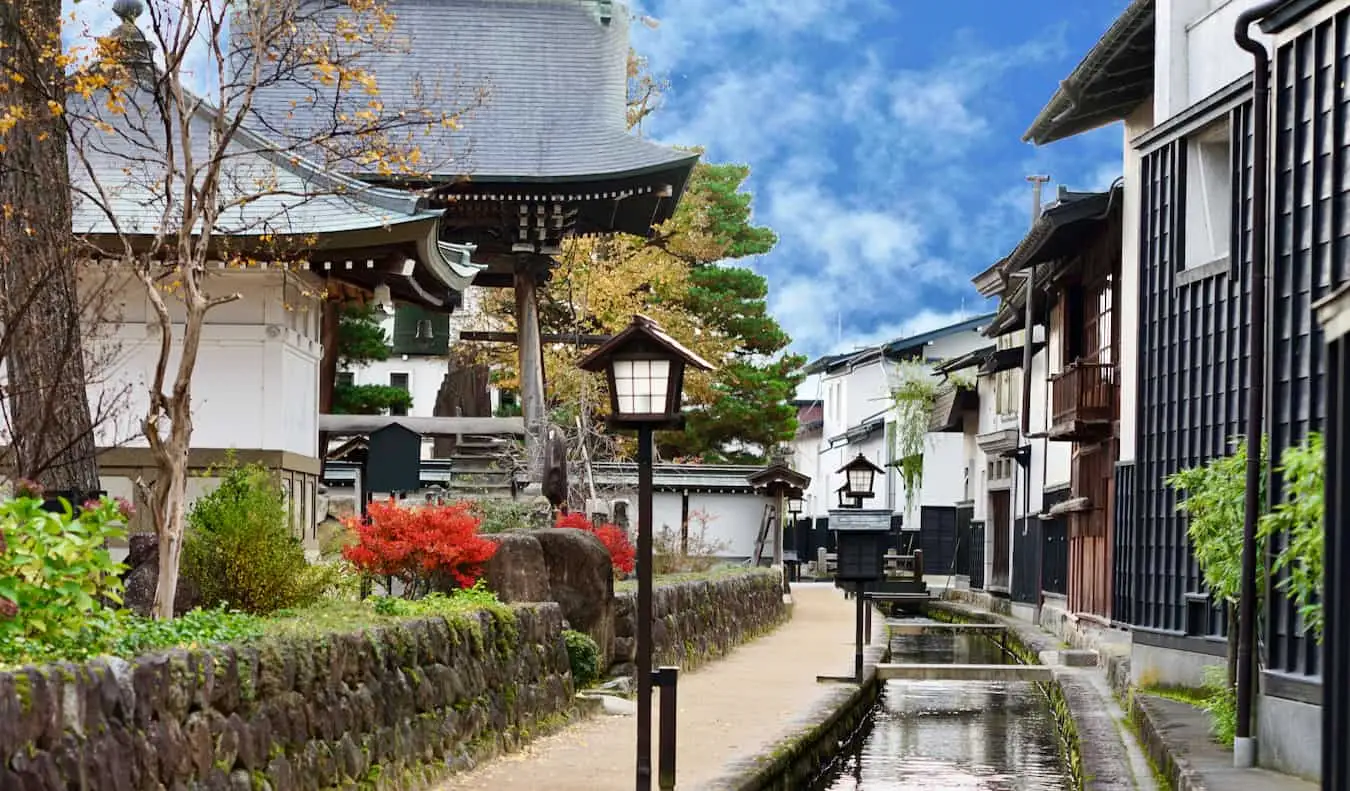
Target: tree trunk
x: 53, y: 440
x: 173, y: 508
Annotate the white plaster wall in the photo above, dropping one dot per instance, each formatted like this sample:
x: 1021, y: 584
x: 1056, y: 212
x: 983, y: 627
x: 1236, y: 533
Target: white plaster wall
x: 1195, y: 53
x: 732, y: 520
x: 425, y: 375
x: 806, y: 459
x: 255, y: 383
x: 1128, y: 363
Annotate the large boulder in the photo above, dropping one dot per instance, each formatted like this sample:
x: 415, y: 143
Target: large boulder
x: 141, y: 578
x: 581, y: 581
x: 517, y: 571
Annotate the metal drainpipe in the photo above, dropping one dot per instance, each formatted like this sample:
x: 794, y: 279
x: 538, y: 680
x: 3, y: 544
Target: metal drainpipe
x: 1244, y: 745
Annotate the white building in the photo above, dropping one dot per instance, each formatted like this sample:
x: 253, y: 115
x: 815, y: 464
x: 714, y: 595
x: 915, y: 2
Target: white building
x: 858, y: 416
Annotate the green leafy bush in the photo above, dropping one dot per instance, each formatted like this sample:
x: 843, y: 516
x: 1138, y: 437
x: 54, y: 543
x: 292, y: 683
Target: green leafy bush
x: 239, y: 549
x: 1221, y: 704
x: 1215, y: 497
x: 1300, y: 517
x: 496, y: 516
x: 584, y: 656
x: 57, y: 578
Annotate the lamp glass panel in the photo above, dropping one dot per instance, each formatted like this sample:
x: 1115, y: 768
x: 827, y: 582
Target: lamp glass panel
x: 640, y: 386
x: 860, y: 481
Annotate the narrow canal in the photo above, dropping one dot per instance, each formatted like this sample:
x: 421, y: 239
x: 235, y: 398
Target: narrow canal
x: 953, y: 736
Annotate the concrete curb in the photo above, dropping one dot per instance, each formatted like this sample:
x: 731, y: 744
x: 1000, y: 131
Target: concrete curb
x: 814, y: 739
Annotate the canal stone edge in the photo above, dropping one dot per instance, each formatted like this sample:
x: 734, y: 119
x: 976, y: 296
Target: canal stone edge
x: 1097, y: 757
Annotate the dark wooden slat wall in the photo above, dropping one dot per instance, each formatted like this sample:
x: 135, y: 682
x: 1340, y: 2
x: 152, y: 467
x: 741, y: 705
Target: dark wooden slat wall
x: 1309, y: 241
x: 977, y: 555
x: 1125, y: 555
x: 1336, y: 649
x: 1192, y: 383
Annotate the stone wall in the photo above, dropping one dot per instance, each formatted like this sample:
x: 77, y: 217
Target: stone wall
x: 380, y: 709
x: 698, y: 620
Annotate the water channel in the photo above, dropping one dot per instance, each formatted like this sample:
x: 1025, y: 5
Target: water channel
x: 953, y: 736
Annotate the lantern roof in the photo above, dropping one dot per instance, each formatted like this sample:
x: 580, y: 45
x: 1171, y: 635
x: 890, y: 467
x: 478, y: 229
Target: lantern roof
x: 780, y: 475
x: 645, y: 335
x: 859, y: 462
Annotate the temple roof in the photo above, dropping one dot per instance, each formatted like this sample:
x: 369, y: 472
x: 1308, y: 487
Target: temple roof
x: 278, y: 206
x: 554, y: 77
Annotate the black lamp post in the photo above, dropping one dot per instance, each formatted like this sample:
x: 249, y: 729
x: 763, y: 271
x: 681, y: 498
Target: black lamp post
x: 645, y: 369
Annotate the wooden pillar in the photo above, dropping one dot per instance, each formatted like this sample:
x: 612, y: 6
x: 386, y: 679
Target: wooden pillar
x: 530, y: 357
x: 328, y: 365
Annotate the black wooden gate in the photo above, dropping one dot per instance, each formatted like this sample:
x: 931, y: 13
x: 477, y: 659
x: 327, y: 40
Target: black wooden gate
x: 1026, y: 544
x: 977, y: 555
x: 937, y: 538
x: 964, y: 516
x: 1055, y: 557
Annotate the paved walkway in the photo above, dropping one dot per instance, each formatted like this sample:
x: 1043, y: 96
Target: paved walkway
x: 1185, y: 730
x: 728, y: 709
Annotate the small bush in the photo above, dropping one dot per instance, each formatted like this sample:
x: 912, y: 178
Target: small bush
x: 434, y: 547
x: 695, y: 553
x: 239, y: 549
x: 622, y: 553
x: 584, y: 656
x: 1221, y: 704
x: 57, y: 577
x: 496, y: 516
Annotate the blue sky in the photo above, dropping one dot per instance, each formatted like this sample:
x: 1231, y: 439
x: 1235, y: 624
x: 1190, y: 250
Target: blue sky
x: 884, y: 138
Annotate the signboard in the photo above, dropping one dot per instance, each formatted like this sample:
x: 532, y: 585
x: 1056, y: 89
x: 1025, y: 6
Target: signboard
x: 862, y: 536
x: 860, y: 519
x: 394, y: 460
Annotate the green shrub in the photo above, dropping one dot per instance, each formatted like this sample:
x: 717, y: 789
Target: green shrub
x: 584, y: 655
x: 239, y: 550
x: 57, y: 577
x: 497, y: 516
x: 1300, y: 518
x: 1221, y: 705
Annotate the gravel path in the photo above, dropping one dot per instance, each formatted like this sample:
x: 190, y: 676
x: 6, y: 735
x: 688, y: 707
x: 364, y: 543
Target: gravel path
x: 728, y: 709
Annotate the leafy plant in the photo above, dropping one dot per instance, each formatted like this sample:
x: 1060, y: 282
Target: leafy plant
x: 200, y: 627
x: 1300, y: 517
x: 1221, y: 704
x: 434, y: 547
x: 622, y: 553
x: 361, y: 341
x: 1214, y: 505
x: 1214, y: 502
x: 56, y: 574
x: 239, y: 549
x: 914, y: 395
x: 584, y: 655
x: 496, y: 516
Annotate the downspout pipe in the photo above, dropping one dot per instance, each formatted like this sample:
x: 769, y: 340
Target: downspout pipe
x: 1244, y: 745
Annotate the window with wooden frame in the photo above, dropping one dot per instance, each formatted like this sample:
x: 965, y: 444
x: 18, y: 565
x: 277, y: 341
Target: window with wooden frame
x: 1208, y: 195
x: 1008, y: 384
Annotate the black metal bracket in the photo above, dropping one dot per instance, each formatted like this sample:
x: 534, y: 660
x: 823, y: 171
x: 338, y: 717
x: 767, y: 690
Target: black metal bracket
x: 1023, y: 456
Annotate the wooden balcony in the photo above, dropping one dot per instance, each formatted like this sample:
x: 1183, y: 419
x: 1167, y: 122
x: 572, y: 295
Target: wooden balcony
x: 1083, y: 399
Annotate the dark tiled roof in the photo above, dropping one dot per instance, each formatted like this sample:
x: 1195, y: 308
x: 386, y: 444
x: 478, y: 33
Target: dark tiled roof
x: 1113, y: 78
x: 555, y: 76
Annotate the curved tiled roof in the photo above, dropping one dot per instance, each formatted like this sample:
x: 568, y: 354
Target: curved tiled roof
x: 554, y: 73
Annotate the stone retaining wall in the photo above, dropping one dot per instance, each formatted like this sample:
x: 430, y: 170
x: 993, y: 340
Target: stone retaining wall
x: 699, y: 620
x: 380, y: 709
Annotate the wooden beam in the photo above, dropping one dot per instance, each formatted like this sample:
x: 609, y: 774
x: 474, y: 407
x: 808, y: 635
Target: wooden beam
x: 577, y: 338
x: 426, y: 426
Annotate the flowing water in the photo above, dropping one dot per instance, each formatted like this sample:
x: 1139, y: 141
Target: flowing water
x: 953, y: 736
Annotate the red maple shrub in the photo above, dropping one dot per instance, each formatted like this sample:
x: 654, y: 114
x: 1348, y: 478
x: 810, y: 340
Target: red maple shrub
x: 427, y: 547
x: 622, y: 553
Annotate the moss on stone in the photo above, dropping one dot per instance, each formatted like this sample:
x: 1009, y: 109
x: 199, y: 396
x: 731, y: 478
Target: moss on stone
x: 23, y: 687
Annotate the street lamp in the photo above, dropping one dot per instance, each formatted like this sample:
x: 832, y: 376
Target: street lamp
x: 645, y: 368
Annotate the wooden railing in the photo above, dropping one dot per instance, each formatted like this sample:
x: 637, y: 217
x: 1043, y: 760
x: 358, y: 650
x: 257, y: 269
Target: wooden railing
x: 898, y: 567
x: 1083, y: 392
